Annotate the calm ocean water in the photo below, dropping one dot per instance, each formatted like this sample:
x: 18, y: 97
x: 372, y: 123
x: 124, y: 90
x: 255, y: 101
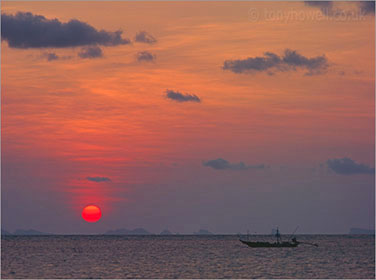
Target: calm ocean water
x: 338, y: 256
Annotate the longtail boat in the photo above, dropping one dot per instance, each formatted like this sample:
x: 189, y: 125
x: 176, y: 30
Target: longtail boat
x: 279, y: 244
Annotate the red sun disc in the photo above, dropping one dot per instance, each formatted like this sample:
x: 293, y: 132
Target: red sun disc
x: 91, y: 213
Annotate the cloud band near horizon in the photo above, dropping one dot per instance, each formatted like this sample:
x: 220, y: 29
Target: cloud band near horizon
x: 98, y: 179
x: 347, y: 166
x: 222, y: 164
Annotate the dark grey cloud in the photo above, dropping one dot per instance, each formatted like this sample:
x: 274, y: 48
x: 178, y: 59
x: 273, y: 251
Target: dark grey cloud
x: 180, y: 97
x: 145, y: 56
x: 90, y: 52
x: 367, y: 7
x: 144, y: 37
x: 222, y: 164
x: 346, y: 166
x: 290, y: 61
x: 98, y: 179
x: 26, y: 30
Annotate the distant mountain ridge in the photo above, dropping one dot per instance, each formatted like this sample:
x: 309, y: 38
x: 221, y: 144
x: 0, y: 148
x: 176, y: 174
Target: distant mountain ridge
x: 4, y: 232
x: 124, y: 231
x: 24, y: 232
x: 120, y: 231
x: 142, y: 231
x: 203, y: 232
x: 166, y: 232
x: 361, y: 231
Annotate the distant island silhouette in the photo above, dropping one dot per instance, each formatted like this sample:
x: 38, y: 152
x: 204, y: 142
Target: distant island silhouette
x: 119, y: 231
x: 142, y: 231
x: 361, y: 231
x: 24, y: 232
x: 124, y: 231
x: 166, y: 232
x: 4, y: 232
x: 203, y: 232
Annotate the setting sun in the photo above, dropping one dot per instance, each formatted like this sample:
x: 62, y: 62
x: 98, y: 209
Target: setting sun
x: 91, y: 213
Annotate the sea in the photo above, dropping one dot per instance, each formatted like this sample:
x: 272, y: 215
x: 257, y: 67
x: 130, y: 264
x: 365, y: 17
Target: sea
x: 185, y: 256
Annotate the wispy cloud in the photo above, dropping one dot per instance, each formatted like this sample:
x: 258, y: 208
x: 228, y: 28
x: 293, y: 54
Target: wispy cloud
x: 26, y: 30
x: 144, y: 37
x: 180, y: 97
x: 222, y: 164
x: 90, y: 52
x: 51, y: 56
x: 347, y: 166
x: 367, y: 7
x: 145, y: 56
x: 327, y: 7
x: 291, y: 60
x: 98, y: 179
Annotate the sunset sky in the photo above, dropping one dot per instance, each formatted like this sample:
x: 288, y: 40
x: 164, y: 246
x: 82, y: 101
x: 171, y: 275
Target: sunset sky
x: 225, y: 116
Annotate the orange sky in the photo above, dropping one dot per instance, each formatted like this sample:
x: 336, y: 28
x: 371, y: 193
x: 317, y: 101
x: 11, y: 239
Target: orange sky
x: 109, y: 117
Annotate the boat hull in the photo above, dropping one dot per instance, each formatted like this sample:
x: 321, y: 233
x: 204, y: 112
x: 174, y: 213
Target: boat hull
x: 270, y: 245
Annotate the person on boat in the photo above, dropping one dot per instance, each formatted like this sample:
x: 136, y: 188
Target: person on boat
x: 278, y: 235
